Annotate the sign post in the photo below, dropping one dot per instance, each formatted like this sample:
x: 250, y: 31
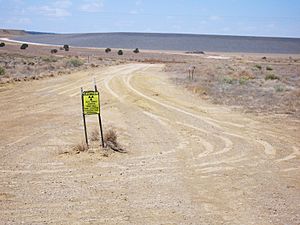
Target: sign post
x: 91, y: 106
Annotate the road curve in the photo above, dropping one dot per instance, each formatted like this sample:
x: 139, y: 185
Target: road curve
x: 188, y: 161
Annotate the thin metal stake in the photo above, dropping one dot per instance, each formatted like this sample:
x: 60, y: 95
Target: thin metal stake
x: 84, y: 123
x: 99, y: 116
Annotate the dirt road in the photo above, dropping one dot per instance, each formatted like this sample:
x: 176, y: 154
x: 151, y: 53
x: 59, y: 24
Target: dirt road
x: 188, y: 162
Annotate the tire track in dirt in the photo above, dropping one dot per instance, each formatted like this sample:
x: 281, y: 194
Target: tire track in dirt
x: 183, y: 165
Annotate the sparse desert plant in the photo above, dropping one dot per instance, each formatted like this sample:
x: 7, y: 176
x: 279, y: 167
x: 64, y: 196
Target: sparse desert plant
x: 243, y: 80
x: 136, y: 50
x: 81, y: 147
x: 49, y: 59
x: 279, y: 88
x: 107, y: 50
x: 271, y: 76
x: 110, y: 136
x: 2, y: 44
x: 258, y: 66
x: 246, y: 75
x: 24, y: 46
x: 66, y: 47
x: 53, y: 51
x: 269, y: 68
x: 2, y: 71
x: 75, y: 62
x: 120, y: 52
x: 110, y: 139
x: 95, y: 135
x: 228, y: 80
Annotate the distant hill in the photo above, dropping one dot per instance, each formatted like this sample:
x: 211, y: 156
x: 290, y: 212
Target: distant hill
x: 176, y: 42
x: 10, y: 32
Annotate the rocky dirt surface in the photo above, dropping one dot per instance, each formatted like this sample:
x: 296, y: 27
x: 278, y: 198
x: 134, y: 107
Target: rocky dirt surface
x: 188, y: 161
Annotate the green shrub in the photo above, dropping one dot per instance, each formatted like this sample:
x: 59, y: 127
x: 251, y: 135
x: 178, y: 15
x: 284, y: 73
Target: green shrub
x: 49, y: 59
x: 258, y: 67
x: 228, y: 80
x: 2, y: 44
x: 279, y: 88
x: 75, y: 62
x: 243, y: 80
x: 136, y: 50
x: 24, y: 46
x: 120, y: 52
x: 269, y: 68
x: 271, y: 77
x: 66, y: 47
x: 107, y: 50
x: 2, y: 71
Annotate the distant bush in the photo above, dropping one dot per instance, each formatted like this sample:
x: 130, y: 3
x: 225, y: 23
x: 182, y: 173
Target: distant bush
x: 24, y: 46
x: 66, y: 47
x: 136, y: 50
x: 271, y: 77
x: 75, y: 62
x: 2, y: 71
x: 279, y: 88
x: 120, y: 52
x: 107, y: 50
x: 269, y: 68
x: 53, y: 51
x: 258, y: 67
x: 49, y: 59
x: 229, y: 80
x: 2, y: 44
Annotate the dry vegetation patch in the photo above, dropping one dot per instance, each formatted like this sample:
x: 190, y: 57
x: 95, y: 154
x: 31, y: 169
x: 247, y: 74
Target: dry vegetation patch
x: 258, y: 87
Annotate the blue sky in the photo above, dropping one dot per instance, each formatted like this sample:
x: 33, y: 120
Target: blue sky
x: 230, y: 17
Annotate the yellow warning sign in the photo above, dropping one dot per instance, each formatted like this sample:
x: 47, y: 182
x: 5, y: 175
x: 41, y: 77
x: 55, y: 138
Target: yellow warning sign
x: 91, y: 104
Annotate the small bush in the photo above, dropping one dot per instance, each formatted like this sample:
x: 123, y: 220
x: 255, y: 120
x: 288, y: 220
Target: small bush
x: 136, y: 50
x: 2, y: 44
x: 243, y: 80
x: 2, y: 71
x: 24, y: 46
x: 95, y: 135
x: 258, y: 67
x: 269, y: 68
x: 228, y: 80
x: 120, y: 52
x: 279, y: 88
x: 66, y: 47
x: 53, y: 51
x: 49, y: 59
x: 107, y: 50
x: 81, y: 147
x: 271, y: 77
x: 110, y: 136
x: 75, y: 62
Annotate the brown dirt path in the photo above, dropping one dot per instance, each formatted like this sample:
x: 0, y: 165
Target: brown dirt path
x: 188, y: 162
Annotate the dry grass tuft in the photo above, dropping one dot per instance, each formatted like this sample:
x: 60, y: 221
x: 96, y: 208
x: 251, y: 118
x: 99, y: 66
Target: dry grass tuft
x: 110, y: 139
x: 95, y: 135
x: 111, y: 136
x: 81, y: 147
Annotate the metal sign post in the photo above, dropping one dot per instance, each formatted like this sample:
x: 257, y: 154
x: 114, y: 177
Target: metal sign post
x: 99, y: 118
x: 91, y: 106
x: 84, y: 122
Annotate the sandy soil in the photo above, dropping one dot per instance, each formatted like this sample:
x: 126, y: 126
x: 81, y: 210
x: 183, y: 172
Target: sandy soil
x: 188, y: 161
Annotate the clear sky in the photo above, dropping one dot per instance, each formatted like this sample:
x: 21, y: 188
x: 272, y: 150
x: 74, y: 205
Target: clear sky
x: 230, y: 17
